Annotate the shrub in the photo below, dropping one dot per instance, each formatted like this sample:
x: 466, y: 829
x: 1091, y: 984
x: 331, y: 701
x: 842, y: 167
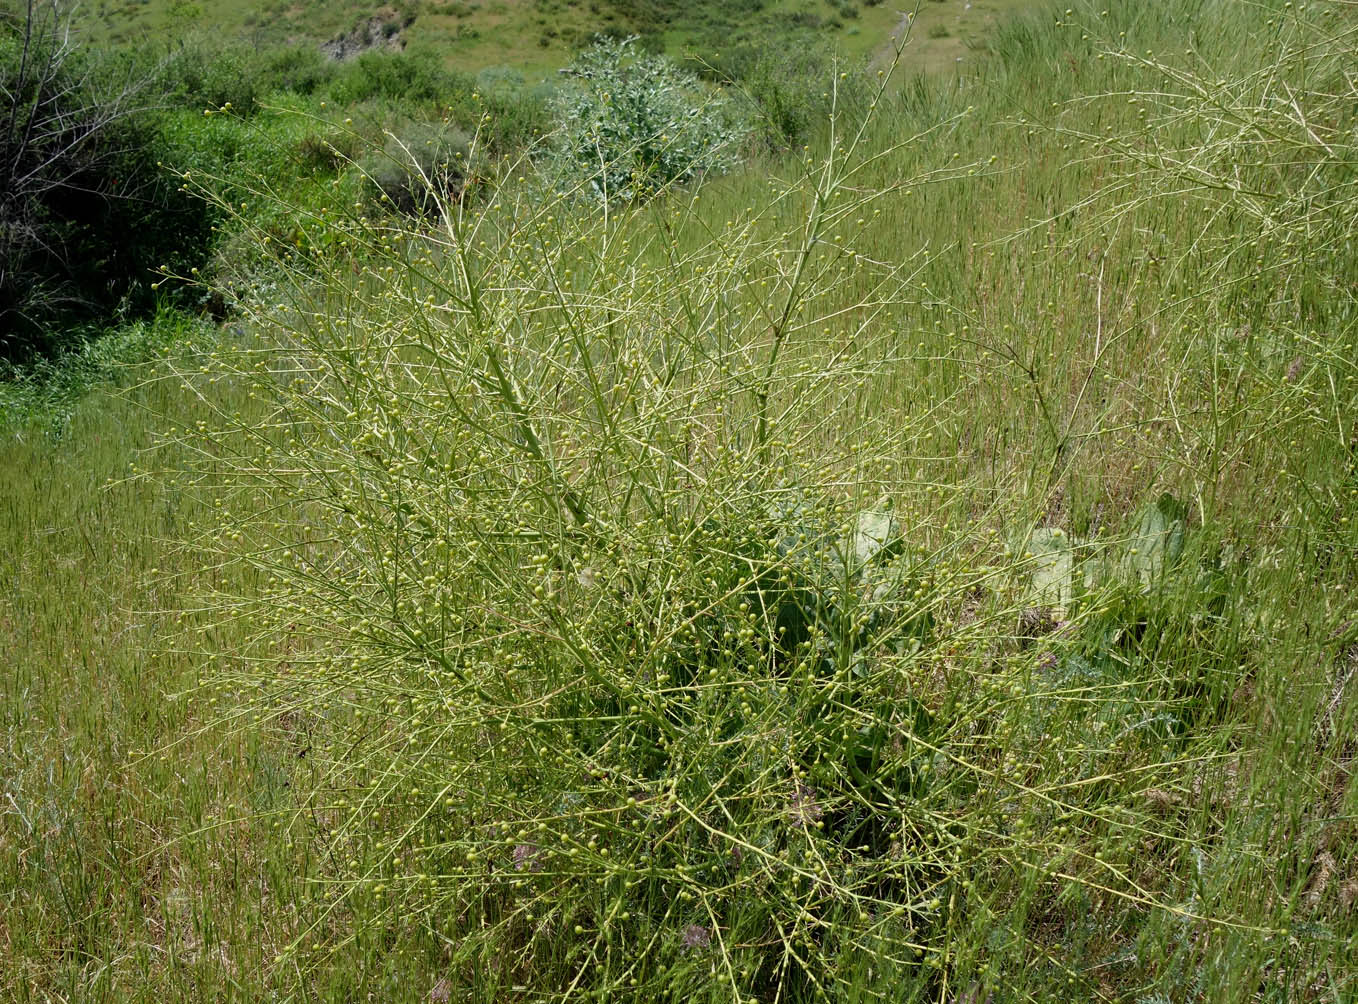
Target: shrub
x: 642, y: 658
x: 85, y: 213
x: 420, y: 168
x: 516, y: 115
x: 623, y: 680
x: 200, y: 74
x: 629, y: 124
x: 622, y: 684
x: 793, y: 90
x: 327, y: 150
x: 395, y: 76
x: 302, y: 69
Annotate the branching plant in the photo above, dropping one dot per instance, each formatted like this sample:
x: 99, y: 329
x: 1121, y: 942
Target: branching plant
x: 644, y: 642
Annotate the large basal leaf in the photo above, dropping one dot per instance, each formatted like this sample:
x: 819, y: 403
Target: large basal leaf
x: 873, y: 533
x: 1158, y: 540
x: 1053, y: 563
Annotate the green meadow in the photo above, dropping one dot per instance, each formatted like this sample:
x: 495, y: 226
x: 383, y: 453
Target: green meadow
x: 538, y: 36
x: 893, y: 538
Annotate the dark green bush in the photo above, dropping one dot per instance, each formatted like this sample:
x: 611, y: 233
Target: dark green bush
x: 199, y: 74
x: 396, y: 76
x: 302, y: 69
x: 497, y: 104
x: 85, y: 212
x: 517, y: 114
x: 327, y: 150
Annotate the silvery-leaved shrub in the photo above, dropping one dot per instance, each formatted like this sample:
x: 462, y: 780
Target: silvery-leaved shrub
x: 418, y: 167
x: 629, y: 123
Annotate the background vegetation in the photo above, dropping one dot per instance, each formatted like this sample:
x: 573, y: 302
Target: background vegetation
x: 915, y: 564
x: 537, y: 36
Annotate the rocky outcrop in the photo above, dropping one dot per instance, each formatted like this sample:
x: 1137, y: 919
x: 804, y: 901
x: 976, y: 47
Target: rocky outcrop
x: 384, y: 30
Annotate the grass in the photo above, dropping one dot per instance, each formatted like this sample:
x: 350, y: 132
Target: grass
x: 139, y: 855
x: 49, y: 390
x: 921, y: 571
x: 536, y: 37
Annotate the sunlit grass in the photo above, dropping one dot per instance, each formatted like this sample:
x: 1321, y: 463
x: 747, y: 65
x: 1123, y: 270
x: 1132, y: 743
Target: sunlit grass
x: 914, y: 571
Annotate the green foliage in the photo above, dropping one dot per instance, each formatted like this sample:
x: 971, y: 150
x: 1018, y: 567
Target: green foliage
x: 498, y: 107
x: 664, y: 627
x: 629, y: 124
x: 701, y: 657
x: 395, y: 76
x: 85, y: 211
x: 1066, y: 569
x: 509, y: 116
x: 199, y: 73
x: 420, y: 169
x: 48, y: 391
x: 613, y: 602
x: 299, y: 69
x: 328, y: 150
x: 794, y: 89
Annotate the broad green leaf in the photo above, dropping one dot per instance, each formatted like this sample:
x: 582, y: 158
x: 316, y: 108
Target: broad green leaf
x: 1053, y: 568
x: 873, y: 533
x: 1158, y: 541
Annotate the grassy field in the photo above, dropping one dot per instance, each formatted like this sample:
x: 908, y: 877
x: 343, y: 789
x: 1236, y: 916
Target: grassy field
x: 140, y: 859
x: 536, y: 37
x: 920, y: 568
